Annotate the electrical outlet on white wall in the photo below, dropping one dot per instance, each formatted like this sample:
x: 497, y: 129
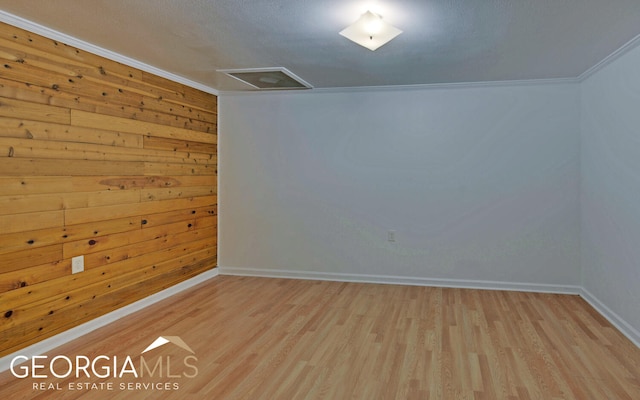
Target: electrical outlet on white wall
x: 77, y: 264
x: 391, y: 235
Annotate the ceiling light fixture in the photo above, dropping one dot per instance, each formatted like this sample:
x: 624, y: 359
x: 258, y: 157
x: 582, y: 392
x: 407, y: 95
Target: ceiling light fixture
x: 370, y: 31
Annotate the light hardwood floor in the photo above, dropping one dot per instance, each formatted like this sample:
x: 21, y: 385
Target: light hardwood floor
x: 260, y: 338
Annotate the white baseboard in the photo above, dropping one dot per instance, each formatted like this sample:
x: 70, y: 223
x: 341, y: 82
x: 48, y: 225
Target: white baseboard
x: 623, y: 326
x: 401, y: 280
x: 51, y: 343
x: 614, y: 318
x: 74, y: 333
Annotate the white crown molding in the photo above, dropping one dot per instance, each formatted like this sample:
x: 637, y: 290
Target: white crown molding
x: 401, y: 280
x: 454, y: 85
x: 86, y: 46
x: 426, y: 86
x: 58, y: 340
x: 630, y: 45
x: 80, y: 44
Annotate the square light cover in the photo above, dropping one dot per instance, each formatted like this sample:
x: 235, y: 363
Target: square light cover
x: 370, y: 31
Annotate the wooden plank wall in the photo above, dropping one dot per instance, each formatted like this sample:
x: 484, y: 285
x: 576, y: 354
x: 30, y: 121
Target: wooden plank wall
x: 102, y: 160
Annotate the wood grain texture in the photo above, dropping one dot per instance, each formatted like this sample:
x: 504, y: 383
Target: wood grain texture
x: 103, y: 160
x: 260, y: 338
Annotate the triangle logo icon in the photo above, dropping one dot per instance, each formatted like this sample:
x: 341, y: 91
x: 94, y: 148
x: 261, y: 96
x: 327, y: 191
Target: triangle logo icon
x: 162, y: 340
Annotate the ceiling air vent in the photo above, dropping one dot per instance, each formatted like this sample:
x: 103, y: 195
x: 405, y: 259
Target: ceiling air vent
x: 268, y: 78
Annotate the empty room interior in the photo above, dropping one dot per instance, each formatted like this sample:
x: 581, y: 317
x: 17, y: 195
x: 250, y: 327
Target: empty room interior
x: 321, y: 199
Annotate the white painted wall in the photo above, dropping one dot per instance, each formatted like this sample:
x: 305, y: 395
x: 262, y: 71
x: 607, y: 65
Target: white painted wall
x: 479, y: 183
x: 610, y: 190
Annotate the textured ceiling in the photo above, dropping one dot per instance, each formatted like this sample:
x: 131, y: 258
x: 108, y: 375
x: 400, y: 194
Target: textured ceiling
x: 444, y: 41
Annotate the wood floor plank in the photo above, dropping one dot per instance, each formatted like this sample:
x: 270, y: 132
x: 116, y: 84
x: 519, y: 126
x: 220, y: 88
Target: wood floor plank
x: 260, y: 338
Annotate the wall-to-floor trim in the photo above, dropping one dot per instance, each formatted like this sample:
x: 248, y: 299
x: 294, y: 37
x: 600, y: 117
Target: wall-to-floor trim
x: 626, y: 329
x: 74, y: 333
x: 401, y: 280
x: 58, y: 340
x: 97, y: 50
x: 629, y: 331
